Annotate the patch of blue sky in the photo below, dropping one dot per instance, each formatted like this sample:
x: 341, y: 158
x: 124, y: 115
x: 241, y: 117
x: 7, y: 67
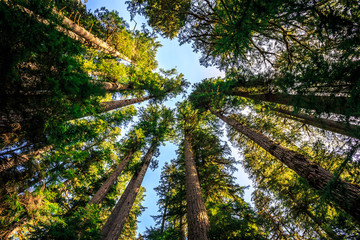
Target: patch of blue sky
x: 170, y: 55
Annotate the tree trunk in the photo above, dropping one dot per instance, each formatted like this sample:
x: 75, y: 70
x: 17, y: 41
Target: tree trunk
x: 198, y: 222
x: 91, y: 38
x: 104, y: 189
x: 111, y: 86
x: 108, y: 106
x: 77, y: 33
x: 115, y: 223
x: 345, y: 194
x: 328, y: 104
x: 326, y: 124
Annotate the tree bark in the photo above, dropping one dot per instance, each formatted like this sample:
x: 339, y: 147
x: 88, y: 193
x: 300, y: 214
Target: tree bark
x: 91, y: 38
x: 328, y: 104
x: 115, y: 223
x: 198, y: 222
x: 326, y: 124
x: 104, y: 189
x: 78, y: 33
x: 345, y: 194
x: 111, y: 86
x: 108, y: 106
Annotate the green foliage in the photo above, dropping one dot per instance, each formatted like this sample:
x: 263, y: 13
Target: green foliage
x: 166, y: 17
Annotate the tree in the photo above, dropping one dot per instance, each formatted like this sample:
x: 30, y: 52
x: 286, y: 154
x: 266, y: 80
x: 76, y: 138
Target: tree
x: 198, y: 222
x: 159, y: 124
x: 344, y: 194
x: 115, y: 223
x: 326, y: 124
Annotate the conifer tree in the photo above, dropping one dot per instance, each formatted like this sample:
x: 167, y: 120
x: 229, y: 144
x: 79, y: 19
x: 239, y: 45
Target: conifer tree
x: 158, y: 123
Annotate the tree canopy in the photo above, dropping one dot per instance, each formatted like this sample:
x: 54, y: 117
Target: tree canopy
x: 75, y: 146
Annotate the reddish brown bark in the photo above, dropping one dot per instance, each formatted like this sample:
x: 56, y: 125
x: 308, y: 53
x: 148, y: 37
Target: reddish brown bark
x: 110, y: 86
x: 198, y: 222
x: 104, y: 189
x: 115, y: 223
x: 345, y: 194
x: 327, y: 104
x: 326, y: 124
x: 108, y: 106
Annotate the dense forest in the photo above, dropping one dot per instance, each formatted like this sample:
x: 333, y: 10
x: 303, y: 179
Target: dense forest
x: 75, y: 145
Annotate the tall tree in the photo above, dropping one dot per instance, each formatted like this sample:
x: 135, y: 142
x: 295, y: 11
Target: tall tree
x: 326, y: 124
x: 159, y: 124
x: 345, y: 194
x: 198, y: 222
x: 115, y: 223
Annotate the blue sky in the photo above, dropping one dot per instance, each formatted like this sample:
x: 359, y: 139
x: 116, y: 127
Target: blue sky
x: 182, y: 57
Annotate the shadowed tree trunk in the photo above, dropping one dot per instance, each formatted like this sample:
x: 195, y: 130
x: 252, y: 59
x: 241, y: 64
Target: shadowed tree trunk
x: 104, y: 189
x: 326, y: 124
x: 329, y: 104
x: 198, y: 222
x: 345, y: 194
x: 115, y: 223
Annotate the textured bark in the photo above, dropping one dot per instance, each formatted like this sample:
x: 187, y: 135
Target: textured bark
x: 19, y: 159
x: 327, y: 104
x: 326, y: 124
x: 345, y: 194
x: 78, y: 33
x: 91, y: 38
x: 108, y: 106
x: 115, y: 223
x: 198, y: 222
x: 104, y: 189
x: 110, y: 86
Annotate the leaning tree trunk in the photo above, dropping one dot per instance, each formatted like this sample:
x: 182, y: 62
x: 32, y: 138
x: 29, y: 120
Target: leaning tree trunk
x: 112, y: 87
x: 104, y: 189
x: 115, y: 223
x: 93, y: 39
x: 198, y: 222
x: 108, y: 106
x: 326, y: 124
x: 77, y: 33
x: 328, y: 104
x: 345, y: 194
